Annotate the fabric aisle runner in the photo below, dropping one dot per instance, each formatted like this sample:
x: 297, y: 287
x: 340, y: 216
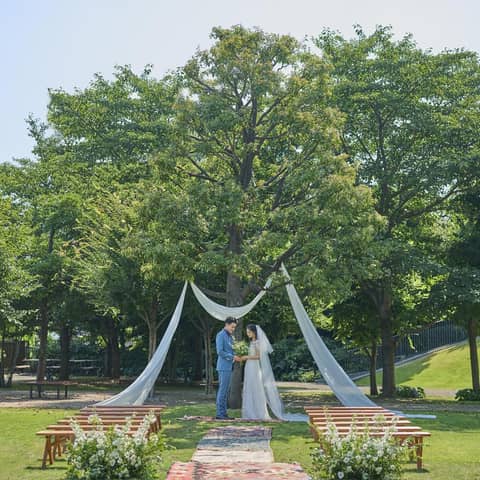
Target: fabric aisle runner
x: 235, y: 453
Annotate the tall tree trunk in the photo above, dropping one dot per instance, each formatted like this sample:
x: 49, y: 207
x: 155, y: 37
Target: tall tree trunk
x: 197, y: 373
x: 472, y: 342
x: 44, y: 317
x: 152, y: 323
x: 152, y: 338
x: 115, y: 355
x: 234, y: 299
x: 381, y: 295
x: 173, y: 362
x: 13, y: 363
x: 107, y: 361
x: 65, y: 338
x: 113, y: 350
x: 207, y: 341
x: 2, y: 357
x: 388, y: 344
x: 43, y: 338
x: 373, y: 368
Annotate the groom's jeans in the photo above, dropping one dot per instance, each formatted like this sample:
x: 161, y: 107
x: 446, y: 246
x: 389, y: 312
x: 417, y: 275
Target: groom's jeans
x: 224, y: 377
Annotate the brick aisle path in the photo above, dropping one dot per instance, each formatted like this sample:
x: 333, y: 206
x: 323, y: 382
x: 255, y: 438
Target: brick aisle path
x: 235, y: 453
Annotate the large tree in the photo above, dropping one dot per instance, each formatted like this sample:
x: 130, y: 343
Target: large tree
x: 457, y: 293
x: 254, y: 152
x: 411, y: 125
x: 15, y: 281
x: 102, y: 137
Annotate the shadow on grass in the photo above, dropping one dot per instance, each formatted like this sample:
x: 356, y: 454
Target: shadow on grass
x: 452, y: 422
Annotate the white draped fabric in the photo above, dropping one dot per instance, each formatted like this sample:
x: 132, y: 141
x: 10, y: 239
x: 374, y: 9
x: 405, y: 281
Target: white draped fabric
x: 341, y: 384
x: 221, y: 312
x: 137, y: 392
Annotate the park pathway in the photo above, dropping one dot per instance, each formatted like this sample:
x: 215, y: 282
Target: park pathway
x: 235, y: 453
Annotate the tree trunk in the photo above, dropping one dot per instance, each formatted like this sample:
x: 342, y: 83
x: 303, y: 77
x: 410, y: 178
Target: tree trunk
x: 107, y: 367
x: 381, y: 295
x: 173, y: 363
x: 115, y: 355
x: 44, y: 314
x: 208, y: 362
x: 13, y: 364
x: 197, y: 373
x: 234, y: 299
x: 373, y: 369
x: 2, y: 358
x: 151, y: 319
x: 472, y: 342
x: 152, y: 338
x: 388, y: 347
x: 43, y: 338
x: 65, y: 338
x: 113, y: 350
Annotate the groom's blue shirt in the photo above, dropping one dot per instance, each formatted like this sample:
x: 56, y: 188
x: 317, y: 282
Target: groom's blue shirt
x: 224, y: 344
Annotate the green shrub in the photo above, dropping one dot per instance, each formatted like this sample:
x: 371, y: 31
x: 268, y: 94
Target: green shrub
x: 308, y: 376
x: 467, y: 394
x: 404, y: 391
x: 358, y: 456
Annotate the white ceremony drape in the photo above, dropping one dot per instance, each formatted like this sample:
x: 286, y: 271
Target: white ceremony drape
x: 341, y: 384
x: 137, y: 392
x: 221, y: 312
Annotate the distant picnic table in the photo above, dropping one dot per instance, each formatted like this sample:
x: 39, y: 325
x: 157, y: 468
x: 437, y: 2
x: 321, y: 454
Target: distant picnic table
x: 43, y: 384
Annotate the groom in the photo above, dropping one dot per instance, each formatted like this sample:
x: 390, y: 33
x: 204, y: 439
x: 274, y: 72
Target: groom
x: 225, y: 361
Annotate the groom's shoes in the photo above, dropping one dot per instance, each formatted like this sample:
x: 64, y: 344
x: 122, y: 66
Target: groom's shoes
x: 226, y: 417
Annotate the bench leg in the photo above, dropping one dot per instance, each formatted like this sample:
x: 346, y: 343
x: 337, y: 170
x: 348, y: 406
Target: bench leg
x: 47, y: 452
x: 419, y: 449
x: 59, y: 449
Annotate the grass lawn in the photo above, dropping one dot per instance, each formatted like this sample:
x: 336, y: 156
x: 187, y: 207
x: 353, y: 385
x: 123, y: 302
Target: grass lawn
x: 451, y: 453
x: 445, y: 369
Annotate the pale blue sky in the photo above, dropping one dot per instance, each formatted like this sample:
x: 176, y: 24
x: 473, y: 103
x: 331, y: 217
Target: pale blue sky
x: 62, y: 43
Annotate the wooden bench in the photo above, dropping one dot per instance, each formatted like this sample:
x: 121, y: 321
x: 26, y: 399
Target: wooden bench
x: 374, y: 420
x: 42, y: 384
x: 125, y: 411
x: 57, y: 435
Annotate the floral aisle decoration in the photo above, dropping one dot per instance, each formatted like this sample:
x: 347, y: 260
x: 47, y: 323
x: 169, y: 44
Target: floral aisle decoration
x: 358, y: 455
x: 114, y: 453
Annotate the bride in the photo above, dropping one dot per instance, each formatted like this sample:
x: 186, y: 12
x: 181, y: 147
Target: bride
x: 259, y: 388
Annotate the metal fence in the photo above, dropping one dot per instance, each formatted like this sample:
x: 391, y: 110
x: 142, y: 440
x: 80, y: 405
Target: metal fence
x: 354, y: 360
x: 435, y: 336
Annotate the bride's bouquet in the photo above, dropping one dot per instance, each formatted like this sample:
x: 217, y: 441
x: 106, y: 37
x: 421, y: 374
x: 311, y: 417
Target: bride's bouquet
x: 240, y: 348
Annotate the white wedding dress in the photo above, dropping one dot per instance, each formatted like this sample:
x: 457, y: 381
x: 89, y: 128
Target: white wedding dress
x: 259, y: 387
x: 254, y: 405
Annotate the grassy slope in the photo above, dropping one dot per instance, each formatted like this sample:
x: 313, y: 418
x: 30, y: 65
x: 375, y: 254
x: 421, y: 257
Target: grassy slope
x: 452, y: 451
x: 446, y: 369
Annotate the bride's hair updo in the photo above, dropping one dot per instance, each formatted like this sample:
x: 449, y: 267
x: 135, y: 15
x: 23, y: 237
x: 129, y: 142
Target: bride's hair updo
x: 253, y: 328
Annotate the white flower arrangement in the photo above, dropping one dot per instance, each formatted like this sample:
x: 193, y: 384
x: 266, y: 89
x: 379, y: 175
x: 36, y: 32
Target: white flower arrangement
x: 358, y: 455
x: 111, y: 454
